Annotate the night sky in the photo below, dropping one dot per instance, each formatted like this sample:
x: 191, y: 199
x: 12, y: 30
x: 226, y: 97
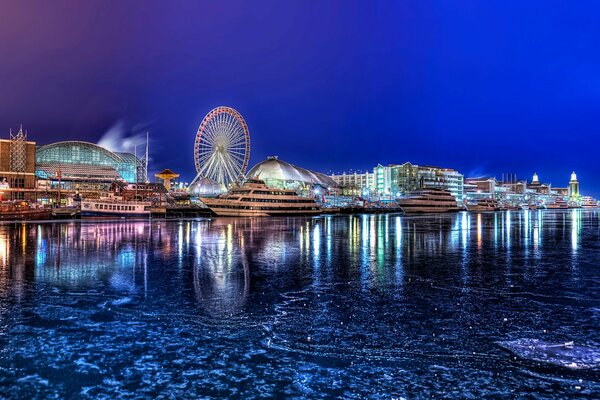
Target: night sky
x: 485, y: 87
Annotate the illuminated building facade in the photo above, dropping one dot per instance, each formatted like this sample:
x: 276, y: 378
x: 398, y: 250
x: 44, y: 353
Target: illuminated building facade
x: 521, y: 192
x: 17, y: 167
x: 354, y: 183
x: 83, y: 167
x: 395, y: 180
x: 444, y: 178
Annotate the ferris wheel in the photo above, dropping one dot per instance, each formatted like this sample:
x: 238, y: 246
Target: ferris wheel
x: 222, y: 146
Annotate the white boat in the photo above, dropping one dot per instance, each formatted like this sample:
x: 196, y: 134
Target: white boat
x: 589, y: 202
x: 432, y: 200
x: 115, y: 206
x: 255, y: 199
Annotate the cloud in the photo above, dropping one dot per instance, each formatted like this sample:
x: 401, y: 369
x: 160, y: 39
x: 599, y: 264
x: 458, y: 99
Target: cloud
x: 477, y: 172
x: 122, y: 137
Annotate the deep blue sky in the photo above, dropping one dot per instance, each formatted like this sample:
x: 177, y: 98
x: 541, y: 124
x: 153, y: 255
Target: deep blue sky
x: 485, y: 87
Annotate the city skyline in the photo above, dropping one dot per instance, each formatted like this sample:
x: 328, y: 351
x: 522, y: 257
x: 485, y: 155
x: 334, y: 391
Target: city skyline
x: 475, y: 87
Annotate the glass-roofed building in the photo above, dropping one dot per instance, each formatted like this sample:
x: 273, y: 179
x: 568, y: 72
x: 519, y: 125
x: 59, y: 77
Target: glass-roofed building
x: 84, y: 166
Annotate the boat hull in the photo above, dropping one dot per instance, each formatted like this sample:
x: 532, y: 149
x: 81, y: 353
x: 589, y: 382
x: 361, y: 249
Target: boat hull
x: 482, y: 209
x: 100, y: 214
x: 33, y: 215
x: 428, y: 210
x: 259, y: 213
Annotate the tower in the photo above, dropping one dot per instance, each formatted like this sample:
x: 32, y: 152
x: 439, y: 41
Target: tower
x: 573, y: 186
x: 535, y: 180
x: 18, y: 151
x: 142, y: 164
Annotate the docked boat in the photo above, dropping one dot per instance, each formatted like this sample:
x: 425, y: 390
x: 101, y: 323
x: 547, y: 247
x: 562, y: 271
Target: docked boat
x: 115, y: 206
x: 557, y: 204
x: 483, y: 205
x: 431, y: 200
x: 589, y: 202
x: 255, y: 199
x: 23, y: 211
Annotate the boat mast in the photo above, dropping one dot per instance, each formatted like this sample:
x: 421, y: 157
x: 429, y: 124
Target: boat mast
x: 146, y: 159
x: 136, y: 171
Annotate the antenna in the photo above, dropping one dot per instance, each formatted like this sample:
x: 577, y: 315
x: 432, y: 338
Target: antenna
x: 146, y: 158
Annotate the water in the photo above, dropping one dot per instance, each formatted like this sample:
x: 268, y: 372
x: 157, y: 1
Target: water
x: 377, y: 306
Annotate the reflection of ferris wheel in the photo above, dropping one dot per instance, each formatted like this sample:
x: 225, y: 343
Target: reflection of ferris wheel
x: 222, y: 146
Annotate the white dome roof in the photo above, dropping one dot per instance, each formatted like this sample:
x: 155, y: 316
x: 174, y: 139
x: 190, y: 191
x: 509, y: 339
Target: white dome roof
x: 274, y: 168
x: 205, y: 187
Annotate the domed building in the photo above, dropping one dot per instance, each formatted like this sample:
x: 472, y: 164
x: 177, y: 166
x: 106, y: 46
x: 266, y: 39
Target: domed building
x: 280, y: 174
x: 77, y: 160
x: 85, y: 167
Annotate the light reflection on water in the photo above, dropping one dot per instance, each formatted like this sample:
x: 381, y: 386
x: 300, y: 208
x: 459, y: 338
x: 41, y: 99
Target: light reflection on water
x: 362, y: 305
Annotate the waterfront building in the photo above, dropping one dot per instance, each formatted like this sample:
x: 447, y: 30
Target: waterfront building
x: 521, y: 192
x: 560, y: 191
x: 539, y: 188
x: 280, y: 174
x: 404, y: 178
x: 353, y: 184
x: 76, y: 166
x: 17, y: 167
x: 481, y: 185
x: 395, y: 180
x: 442, y: 178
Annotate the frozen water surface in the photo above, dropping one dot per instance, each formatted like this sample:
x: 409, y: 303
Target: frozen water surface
x: 463, y: 306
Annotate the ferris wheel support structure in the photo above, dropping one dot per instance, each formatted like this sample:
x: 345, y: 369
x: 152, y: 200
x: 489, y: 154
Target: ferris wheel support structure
x: 222, y: 146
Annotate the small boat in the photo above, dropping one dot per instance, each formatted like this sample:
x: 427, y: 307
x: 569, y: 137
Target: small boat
x: 23, y: 211
x: 483, y: 205
x: 255, y: 199
x: 433, y: 200
x: 115, y: 206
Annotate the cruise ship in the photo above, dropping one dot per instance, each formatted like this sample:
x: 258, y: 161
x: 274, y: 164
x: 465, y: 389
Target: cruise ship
x: 483, y: 205
x: 255, y: 199
x: 432, y: 200
x: 115, y: 206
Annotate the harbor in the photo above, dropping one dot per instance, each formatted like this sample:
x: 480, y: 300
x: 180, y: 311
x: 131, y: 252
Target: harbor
x: 73, y: 179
